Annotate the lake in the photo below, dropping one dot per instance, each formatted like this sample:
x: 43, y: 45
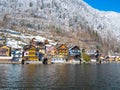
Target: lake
x: 60, y: 77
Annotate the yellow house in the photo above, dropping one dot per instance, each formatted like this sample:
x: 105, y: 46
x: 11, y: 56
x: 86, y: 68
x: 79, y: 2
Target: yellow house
x: 32, y: 54
x: 5, y: 51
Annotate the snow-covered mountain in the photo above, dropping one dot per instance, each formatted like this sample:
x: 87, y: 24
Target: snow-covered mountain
x: 66, y: 14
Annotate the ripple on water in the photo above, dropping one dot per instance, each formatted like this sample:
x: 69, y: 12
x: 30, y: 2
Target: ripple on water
x: 60, y: 77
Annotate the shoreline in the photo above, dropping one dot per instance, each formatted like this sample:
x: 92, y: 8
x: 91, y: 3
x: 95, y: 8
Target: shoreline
x: 40, y: 62
x: 9, y: 62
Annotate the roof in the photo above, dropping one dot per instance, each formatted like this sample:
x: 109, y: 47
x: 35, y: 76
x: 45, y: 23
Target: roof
x: 4, y: 46
x: 26, y: 47
x: 62, y: 45
x: 74, y: 47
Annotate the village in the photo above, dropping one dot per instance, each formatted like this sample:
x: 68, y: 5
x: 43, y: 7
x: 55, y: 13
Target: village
x: 37, y: 52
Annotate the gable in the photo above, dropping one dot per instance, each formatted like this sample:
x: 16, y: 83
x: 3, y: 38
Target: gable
x: 5, y: 47
x: 63, y: 46
x: 32, y: 48
x: 75, y: 48
x: 26, y: 47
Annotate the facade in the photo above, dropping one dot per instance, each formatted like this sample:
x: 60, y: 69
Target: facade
x: 40, y: 50
x: 92, y: 53
x: 50, y: 50
x: 17, y: 55
x: 5, y: 51
x: 74, y: 53
x: 61, y: 54
x: 46, y: 42
x: 62, y: 50
x: 58, y: 59
x: 32, y: 54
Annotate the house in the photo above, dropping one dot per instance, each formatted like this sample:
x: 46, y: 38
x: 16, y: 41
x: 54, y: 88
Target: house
x: 30, y: 53
x: 50, y: 50
x: 17, y: 55
x: 61, y: 54
x: 40, y: 50
x: 46, y: 42
x: 74, y: 53
x: 62, y: 50
x: 5, y: 53
x: 92, y: 53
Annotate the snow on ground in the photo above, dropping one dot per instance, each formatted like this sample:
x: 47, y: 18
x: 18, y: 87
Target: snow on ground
x: 14, y: 43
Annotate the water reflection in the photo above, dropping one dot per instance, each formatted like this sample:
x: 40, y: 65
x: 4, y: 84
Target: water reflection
x: 60, y: 77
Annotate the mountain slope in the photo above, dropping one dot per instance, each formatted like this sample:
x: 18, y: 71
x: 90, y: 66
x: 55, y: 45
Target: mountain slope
x: 68, y: 15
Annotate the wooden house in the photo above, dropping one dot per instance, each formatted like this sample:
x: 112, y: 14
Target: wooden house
x: 61, y: 54
x: 5, y: 51
x: 30, y: 53
x: 46, y: 42
x: 62, y: 50
x: 74, y: 53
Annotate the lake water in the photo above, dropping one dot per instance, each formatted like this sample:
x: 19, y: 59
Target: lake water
x: 60, y: 77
